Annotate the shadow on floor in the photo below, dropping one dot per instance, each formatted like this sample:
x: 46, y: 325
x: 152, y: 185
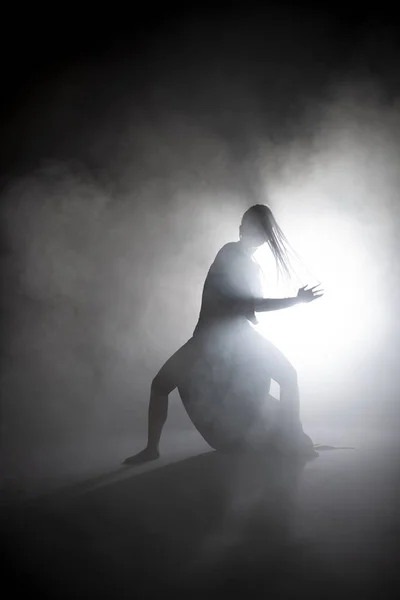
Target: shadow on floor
x: 208, y: 525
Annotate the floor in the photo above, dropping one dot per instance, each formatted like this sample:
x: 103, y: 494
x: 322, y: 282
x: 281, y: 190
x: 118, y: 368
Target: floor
x: 202, y: 524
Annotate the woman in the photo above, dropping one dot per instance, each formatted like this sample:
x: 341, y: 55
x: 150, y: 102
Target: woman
x: 223, y: 372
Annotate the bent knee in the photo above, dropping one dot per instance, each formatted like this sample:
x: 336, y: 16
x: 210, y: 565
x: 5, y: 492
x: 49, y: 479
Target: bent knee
x: 291, y: 375
x: 288, y: 376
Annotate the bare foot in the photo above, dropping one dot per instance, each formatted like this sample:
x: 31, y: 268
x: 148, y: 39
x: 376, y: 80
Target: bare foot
x: 145, y: 455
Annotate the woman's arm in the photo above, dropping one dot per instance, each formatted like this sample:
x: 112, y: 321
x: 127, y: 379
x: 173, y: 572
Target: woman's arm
x: 303, y: 296
x: 270, y: 304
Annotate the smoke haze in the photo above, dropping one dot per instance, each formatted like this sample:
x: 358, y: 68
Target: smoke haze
x: 125, y: 173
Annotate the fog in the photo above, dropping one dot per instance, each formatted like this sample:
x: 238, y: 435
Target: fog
x: 133, y: 168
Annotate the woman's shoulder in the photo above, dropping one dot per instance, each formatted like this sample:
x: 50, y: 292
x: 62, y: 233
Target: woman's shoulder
x: 227, y: 258
x: 228, y: 251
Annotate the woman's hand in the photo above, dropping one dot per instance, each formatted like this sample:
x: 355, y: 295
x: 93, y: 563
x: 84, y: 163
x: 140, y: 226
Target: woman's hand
x: 310, y: 294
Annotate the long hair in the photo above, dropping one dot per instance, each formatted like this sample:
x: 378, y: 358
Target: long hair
x: 260, y: 217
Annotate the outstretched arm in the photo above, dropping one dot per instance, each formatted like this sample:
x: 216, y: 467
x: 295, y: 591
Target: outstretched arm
x: 304, y: 295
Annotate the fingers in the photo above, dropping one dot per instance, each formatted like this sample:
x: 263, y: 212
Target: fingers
x: 316, y: 289
x: 310, y: 288
x: 312, y: 293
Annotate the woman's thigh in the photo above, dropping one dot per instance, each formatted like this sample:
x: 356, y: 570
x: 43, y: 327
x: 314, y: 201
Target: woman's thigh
x: 175, y: 369
x: 271, y: 360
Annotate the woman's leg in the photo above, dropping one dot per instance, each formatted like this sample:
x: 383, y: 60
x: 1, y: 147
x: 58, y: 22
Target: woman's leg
x: 289, y: 430
x: 271, y: 360
x: 163, y: 384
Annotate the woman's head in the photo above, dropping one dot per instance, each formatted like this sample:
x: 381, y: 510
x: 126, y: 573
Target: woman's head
x: 259, y: 227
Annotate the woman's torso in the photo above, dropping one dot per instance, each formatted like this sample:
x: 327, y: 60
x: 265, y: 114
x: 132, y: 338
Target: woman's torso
x: 224, y: 388
x: 232, y: 282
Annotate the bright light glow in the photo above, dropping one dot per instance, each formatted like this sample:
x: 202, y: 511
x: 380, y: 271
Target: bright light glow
x: 336, y: 199
x: 328, y: 337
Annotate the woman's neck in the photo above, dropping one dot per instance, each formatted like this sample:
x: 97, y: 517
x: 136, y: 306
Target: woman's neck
x: 248, y: 250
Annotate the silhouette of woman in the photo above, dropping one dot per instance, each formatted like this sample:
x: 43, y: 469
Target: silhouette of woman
x: 223, y: 372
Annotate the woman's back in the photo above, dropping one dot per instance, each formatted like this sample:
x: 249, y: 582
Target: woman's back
x: 233, y: 280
